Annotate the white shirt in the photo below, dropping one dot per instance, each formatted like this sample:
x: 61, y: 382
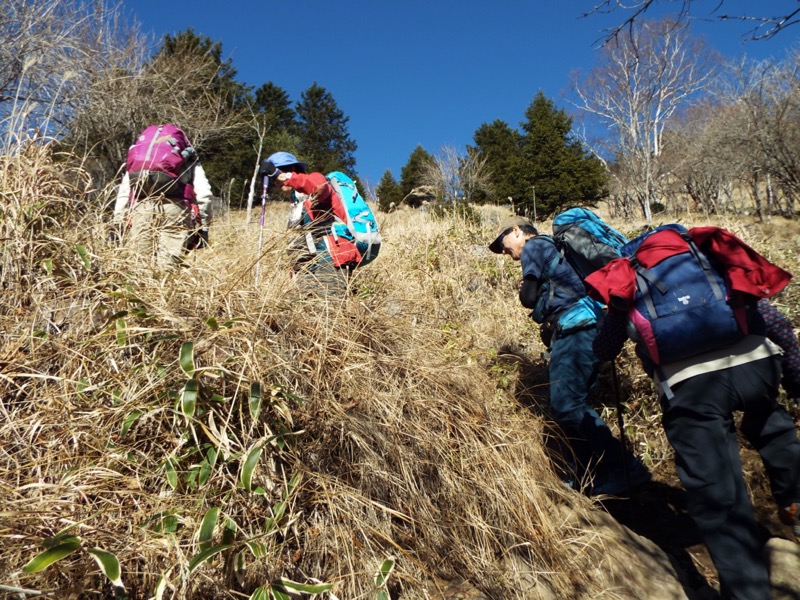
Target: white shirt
x: 202, y: 190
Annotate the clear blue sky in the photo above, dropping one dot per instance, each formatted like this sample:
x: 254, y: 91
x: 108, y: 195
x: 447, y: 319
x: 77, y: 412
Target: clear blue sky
x: 423, y: 72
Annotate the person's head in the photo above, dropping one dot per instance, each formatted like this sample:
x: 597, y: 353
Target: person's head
x: 287, y: 163
x: 281, y: 162
x: 514, y: 232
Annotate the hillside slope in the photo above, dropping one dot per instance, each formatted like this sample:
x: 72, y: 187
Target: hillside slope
x: 212, y: 438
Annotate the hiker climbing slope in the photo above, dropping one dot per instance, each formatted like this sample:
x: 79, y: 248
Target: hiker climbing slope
x: 341, y: 232
x: 568, y: 321
x: 693, y: 301
x: 164, y: 196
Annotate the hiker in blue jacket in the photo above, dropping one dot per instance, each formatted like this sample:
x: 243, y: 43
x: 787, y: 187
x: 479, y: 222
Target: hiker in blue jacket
x: 699, y: 396
x: 568, y: 320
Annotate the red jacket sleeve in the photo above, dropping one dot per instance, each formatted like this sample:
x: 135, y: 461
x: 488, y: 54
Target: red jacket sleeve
x: 321, y: 200
x: 307, y: 183
x: 616, y: 280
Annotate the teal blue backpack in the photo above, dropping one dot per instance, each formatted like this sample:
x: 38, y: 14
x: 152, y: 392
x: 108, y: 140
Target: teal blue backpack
x: 586, y: 241
x: 361, y: 226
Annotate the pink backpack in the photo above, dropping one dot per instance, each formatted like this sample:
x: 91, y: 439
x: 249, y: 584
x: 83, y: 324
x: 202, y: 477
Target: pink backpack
x: 160, y: 162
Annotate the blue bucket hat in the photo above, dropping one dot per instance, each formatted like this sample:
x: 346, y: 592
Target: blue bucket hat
x: 284, y: 159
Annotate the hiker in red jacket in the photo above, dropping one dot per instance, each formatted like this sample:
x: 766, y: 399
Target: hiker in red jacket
x: 699, y: 396
x: 340, y: 229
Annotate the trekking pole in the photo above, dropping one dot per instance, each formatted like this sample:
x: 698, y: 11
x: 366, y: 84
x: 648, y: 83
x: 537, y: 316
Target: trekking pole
x: 621, y: 424
x: 261, y: 225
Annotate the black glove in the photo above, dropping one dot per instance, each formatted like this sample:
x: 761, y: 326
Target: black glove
x: 268, y: 169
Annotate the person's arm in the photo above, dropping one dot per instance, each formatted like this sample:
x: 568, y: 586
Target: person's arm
x: 611, y: 335
x: 528, y: 291
x: 202, y: 190
x: 122, y: 200
x: 780, y: 331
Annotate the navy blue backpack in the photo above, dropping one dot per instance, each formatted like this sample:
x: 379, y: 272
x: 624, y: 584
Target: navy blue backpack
x: 681, y: 306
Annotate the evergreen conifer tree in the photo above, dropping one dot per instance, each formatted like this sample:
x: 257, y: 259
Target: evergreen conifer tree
x: 388, y: 191
x: 542, y: 164
x: 559, y: 172
x: 413, y: 173
x: 501, y: 147
x: 324, y: 141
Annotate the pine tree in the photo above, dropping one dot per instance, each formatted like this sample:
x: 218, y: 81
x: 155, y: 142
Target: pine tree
x: 412, y: 174
x: 324, y: 141
x: 541, y: 164
x: 223, y: 149
x: 388, y: 191
x: 556, y: 165
x: 274, y: 104
x: 222, y: 76
x: 501, y: 147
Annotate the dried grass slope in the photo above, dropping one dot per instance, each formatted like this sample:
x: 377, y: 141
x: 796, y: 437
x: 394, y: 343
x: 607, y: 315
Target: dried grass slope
x: 188, y: 435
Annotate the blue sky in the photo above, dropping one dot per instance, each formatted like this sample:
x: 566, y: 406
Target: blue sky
x: 424, y: 72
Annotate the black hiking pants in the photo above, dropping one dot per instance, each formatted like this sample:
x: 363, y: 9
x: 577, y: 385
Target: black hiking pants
x: 699, y: 423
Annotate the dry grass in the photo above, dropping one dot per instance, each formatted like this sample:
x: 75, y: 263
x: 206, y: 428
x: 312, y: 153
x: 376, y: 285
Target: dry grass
x: 400, y: 413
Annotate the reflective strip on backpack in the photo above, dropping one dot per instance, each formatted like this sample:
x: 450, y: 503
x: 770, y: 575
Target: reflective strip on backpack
x: 152, y: 144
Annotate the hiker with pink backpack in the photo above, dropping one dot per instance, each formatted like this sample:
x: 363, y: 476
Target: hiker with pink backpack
x: 163, y: 203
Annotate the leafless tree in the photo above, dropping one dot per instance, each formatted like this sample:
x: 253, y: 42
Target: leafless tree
x: 639, y: 84
x: 703, y: 166
x: 51, y: 55
x: 456, y: 177
x: 768, y: 95
x: 764, y: 27
x: 176, y: 88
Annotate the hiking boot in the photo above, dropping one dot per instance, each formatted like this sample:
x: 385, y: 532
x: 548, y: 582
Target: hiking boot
x: 790, y: 515
x: 615, y: 482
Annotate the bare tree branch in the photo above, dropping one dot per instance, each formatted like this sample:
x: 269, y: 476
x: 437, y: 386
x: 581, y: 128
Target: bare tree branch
x: 765, y: 26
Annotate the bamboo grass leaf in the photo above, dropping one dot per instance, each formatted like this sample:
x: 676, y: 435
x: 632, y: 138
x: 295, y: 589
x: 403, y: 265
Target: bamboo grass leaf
x: 129, y: 421
x: 277, y: 515
x: 382, y: 576
x: 278, y: 592
x: 207, y: 554
x: 171, y: 473
x: 82, y: 252
x: 261, y: 593
x: 249, y: 466
x: 122, y: 332
x: 187, y: 358
x: 207, y: 527
x: 108, y: 564
x: 161, y: 586
x: 317, y: 588
x: 296, y: 478
x: 229, y: 533
x: 189, y: 397
x: 239, y: 564
x: 258, y: 549
x: 207, y: 466
x: 44, y: 559
x: 162, y: 522
x: 254, y: 402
